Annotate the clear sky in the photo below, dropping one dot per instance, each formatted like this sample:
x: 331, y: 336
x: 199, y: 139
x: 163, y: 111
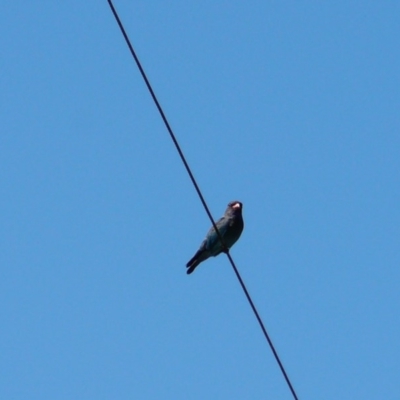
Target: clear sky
x: 291, y: 107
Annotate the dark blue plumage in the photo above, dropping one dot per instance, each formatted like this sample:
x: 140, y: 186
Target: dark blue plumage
x: 230, y: 226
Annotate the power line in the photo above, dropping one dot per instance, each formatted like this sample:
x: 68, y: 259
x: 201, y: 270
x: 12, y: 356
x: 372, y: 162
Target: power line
x: 172, y: 135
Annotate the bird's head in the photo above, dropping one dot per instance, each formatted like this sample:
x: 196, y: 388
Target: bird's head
x: 234, y: 207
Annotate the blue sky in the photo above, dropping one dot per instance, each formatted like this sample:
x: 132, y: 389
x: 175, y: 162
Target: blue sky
x: 290, y: 107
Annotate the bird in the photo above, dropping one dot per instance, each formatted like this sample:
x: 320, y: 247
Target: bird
x: 230, y: 226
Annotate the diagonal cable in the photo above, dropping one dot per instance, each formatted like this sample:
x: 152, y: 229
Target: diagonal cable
x: 172, y: 135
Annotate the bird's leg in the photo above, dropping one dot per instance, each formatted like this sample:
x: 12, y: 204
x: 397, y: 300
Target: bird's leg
x: 225, y: 250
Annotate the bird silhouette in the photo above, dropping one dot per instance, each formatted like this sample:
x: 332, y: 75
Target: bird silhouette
x: 230, y: 226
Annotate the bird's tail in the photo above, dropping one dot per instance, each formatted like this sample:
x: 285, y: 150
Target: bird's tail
x: 195, y: 261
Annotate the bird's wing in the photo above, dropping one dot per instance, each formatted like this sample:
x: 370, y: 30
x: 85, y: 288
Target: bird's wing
x: 212, y: 239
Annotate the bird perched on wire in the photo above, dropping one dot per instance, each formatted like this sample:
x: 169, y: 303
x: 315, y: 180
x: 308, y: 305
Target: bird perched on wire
x: 230, y: 226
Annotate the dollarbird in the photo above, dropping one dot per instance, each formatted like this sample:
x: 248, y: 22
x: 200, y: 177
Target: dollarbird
x: 230, y: 226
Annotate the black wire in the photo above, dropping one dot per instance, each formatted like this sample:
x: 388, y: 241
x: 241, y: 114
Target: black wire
x: 201, y: 197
